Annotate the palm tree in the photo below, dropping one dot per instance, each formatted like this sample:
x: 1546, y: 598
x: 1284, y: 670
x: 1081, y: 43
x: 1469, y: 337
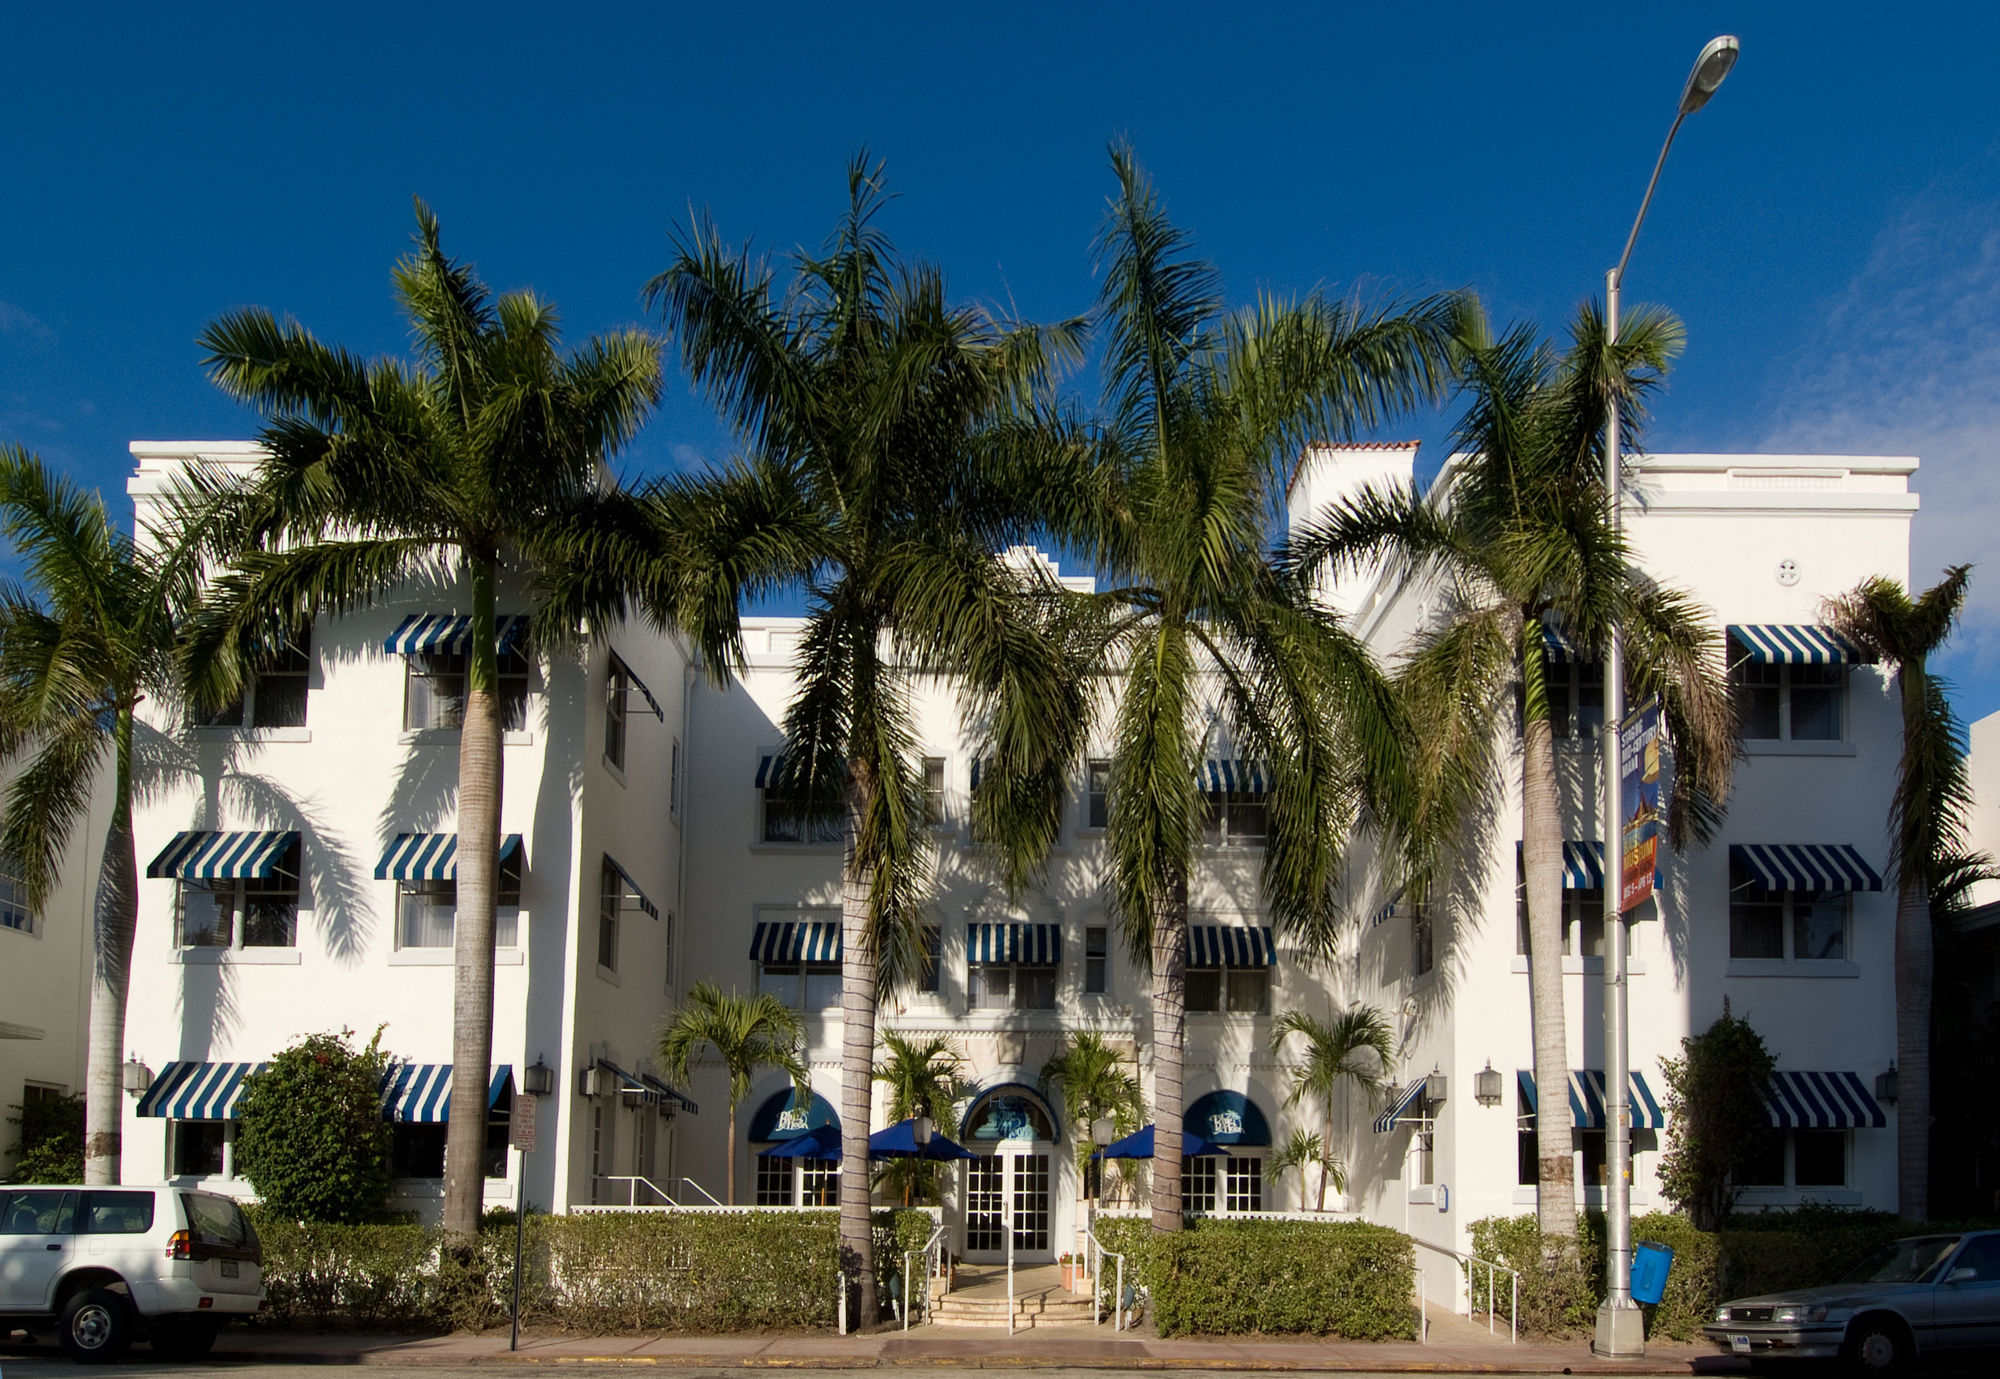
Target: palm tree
x: 890, y: 437
x: 1355, y: 1048
x: 1518, y: 536
x: 1092, y: 1080
x: 86, y: 638
x: 1927, y: 819
x: 1202, y: 414
x: 923, y: 1079
x: 1308, y: 1149
x: 465, y: 464
x: 747, y: 1033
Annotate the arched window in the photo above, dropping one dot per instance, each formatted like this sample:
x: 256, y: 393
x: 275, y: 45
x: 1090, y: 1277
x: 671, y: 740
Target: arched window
x: 1011, y: 1111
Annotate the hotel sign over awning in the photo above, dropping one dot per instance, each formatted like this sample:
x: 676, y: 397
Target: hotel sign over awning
x: 1641, y: 801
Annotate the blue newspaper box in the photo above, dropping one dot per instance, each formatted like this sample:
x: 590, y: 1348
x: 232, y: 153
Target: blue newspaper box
x: 1650, y: 1263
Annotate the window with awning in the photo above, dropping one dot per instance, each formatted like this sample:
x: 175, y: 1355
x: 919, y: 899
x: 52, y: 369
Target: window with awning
x: 1229, y: 968
x: 435, y: 647
x: 1235, y: 802
x: 798, y: 954
x: 236, y: 890
x: 1586, y: 1099
x: 1582, y: 900
x: 1792, y: 902
x: 1012, y: 966
x: 425, y: 868
x: 1789, y: 681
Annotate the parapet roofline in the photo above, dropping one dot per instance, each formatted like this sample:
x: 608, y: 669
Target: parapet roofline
x: 1346, y: 448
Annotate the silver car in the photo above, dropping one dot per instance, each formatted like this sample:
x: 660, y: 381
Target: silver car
x: 1934, y: 1296
x: 103, y: 1266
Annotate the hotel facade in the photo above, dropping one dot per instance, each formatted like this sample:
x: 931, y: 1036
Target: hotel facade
x: 298, y: 866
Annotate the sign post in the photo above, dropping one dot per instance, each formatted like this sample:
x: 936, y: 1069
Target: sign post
x: 521, y: 1135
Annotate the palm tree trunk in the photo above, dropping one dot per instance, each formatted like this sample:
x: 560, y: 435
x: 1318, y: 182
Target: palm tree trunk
x: 1325, y: 1155
x: 473, y: 936
x: 1914, y: 975
x: 729, y: 1174
x: 1170, y: 946
x: 116, y: 919
x: 1541, y: 853
x: 857, y: 1058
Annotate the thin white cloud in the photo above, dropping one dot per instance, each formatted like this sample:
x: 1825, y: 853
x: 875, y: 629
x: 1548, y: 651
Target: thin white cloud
x: 1907, y: 361
x: 23, y: 325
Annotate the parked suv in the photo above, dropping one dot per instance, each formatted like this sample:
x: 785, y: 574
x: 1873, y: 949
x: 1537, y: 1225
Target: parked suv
x: 107, y: 1265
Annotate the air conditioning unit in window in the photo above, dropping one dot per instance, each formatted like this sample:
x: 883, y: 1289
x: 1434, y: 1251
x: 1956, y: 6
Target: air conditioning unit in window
x: 592, y: 1082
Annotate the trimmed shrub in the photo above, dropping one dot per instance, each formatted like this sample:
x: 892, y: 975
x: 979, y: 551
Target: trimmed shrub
x: 1559, y: 1292
x: 50, y: 1147
x: 1231, y: 1277
x: 312, y: 1140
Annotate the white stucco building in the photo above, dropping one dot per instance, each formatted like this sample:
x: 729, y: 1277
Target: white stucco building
x: 647, y: 859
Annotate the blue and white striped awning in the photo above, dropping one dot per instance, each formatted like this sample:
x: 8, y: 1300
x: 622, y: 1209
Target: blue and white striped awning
x: 1795, y: 644
x: 420, y: 1093
x: 652, y: 704
x: 197, y: 1091
x: 430, y: 857
x: 1586, y: 1099
x: 1559, y: 650
x: 201, y: 856
x: 449, y: 633
x: 1821, y: 1101
x: 1028, y: 945
x: 632, y: 887
x: 1804, y: 867
x: 1221, y: 775
x: 793, y: 941
x: 1399, y: 1106
x: 1583, y: 865
x: 1232, y: 945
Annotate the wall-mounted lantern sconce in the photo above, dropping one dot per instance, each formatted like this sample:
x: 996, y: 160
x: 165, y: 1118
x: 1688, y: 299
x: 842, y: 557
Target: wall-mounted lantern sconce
x: 1486, y: 1086
x: 590, y: 1082
x: 1434, y: 1086
x: 1885, y: 1084
x: 1103, y: 1131
x: 538, y: 1079
x: 136, y: 1077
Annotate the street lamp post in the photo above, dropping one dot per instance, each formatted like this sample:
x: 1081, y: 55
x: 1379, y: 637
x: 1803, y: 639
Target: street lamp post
x: 1620, y: 1324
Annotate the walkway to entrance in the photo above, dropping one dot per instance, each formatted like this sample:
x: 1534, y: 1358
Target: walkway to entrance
x: 1042, y: 1282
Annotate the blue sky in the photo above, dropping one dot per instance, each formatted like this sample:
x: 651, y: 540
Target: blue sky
x: 1827, y: 227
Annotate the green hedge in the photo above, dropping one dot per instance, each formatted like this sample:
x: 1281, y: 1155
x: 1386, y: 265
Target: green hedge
x: 1753, y: 1253
x: 593, y: 1273
x: 1230, y: 1277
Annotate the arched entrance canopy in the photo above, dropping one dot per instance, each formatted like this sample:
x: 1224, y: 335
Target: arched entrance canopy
x: 1227, y: 1118
x: 781, y: 1118
x: 1010, y: 1111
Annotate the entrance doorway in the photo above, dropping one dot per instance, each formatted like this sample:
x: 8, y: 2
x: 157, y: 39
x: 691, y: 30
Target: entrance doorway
x: 1009, y: 1190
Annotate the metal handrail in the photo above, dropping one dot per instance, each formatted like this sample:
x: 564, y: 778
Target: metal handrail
x: 1465, y: 1263
x: 632, y: 1181
x: 933, y: 1267
x: 1097, y: 1285
x: 699, y: 1188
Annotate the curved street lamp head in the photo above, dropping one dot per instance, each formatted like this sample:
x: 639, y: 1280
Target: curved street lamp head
x: 1709, y: 69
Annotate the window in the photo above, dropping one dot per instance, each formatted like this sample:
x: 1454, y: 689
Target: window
x: 1096, y: 960
x: 674, y: 780
x: 1234, y: 818
x: 610, y: 900
x: 784, y: 1182
x: 14, y: 911
x: 195, y: 1148
x: 1422, y: 951
x: 932, y: 963
x: 597, y: 1148
x: 1576, y: 699
x: 1800, y: 1159
x: 1582, y: 919
x: 249, y: 913
x: 667, y: 918
x: 786, y: 818
x: 933, y: 772
x: 1097, y: 793
x: 115, y: 1213
x: 1424, y: 1143
x: 427, y: 911
x: 801, y: 985
x: 37, y: 1211
x: 434, y: 690
x: 1243, y: 1186
x: 617, y: 687
x: 1198, y: 1185
x: 1802, y: 926
x: 1009, y: 986
x: 1778, y: 702
x: 1229, y: 990
x: 774, y: 1181
x: 274, y: 695
x: 819, y: 1183
x: 1528, y: 1154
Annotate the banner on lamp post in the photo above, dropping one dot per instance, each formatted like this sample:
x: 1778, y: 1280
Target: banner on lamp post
x: 1640, y: 797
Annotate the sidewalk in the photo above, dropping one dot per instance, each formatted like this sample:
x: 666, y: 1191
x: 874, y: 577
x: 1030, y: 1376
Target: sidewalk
x: 1463, y: 1353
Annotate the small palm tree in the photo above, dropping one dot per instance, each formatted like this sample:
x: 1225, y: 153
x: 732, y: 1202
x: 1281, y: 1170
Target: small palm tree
x: 1204, y: 414
x: 747, y: 1033
x: 86, y: 638
x: 1092, y: 1080
x: 923, y: 1079
x: 1354, y: 1049
x: 1927, y: 820
x: 483, y: 457
x: 893, y: 448
x: 1518, y: 537
x: 1308, y: 1149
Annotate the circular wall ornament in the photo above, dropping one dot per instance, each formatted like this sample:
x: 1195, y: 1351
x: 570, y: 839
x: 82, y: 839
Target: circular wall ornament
x: 1788, y: 572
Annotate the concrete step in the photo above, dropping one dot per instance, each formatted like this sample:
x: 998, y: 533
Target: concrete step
x: 1065, y: 1310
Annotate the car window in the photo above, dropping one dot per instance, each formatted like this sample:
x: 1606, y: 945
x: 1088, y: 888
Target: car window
x: 32, y: 1212
x: 215, y: 1220
x: 1982, y: 1255
x: 116, y: 1213
x: 1904, y: 1261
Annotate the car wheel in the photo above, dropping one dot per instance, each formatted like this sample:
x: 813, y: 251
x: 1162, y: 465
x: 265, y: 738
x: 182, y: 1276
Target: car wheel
x: 96, y: 1326
x: 184, y: 1338
x: 1878, y: 1349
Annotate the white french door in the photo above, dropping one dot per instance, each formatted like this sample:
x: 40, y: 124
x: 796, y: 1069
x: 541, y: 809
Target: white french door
x: 1010, y: 1190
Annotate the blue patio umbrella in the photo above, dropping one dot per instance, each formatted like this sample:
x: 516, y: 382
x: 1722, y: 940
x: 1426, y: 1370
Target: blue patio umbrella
x: 1139, y: 1145
x: 899, y: 1141
x: 820, y: 1142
